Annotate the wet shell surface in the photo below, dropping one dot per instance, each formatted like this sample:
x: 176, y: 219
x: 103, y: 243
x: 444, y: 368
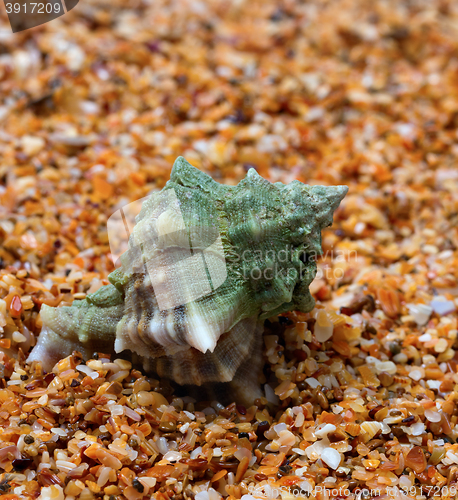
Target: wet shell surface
x: 206, y: 264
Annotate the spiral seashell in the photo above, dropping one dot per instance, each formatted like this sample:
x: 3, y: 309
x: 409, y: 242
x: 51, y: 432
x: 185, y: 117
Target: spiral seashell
x: 205, y: 265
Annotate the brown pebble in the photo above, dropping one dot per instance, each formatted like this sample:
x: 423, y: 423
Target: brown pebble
x: 262, y: 427
x: 301, y: 385
x: 338, y: 394
x: 133, y: 443
x: 416, y: 459
x: 322, y: 400
x: 385, y: 379
x: 114, y: 388
x: 241, y: 409
x: 352, y: 484
x: 300, y: 355
x: 361, y: 302
x: 169, y: 426
x: 261, y: 446
x: 197, y: 464
x: 375, y: 410
x: 375, y: 443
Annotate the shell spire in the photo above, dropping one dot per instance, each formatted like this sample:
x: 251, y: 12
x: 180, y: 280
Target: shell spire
x: 206, y: 263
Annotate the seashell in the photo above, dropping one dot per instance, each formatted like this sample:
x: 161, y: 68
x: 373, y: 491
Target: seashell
x: 206, y: 264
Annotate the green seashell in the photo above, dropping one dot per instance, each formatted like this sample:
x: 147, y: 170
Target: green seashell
x: 206, y: 264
